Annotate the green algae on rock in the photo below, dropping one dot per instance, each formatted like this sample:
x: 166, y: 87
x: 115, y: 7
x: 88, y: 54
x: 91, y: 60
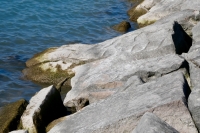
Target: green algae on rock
x: 10, y: 115
x: 45, y: 73
x: 39, y: 57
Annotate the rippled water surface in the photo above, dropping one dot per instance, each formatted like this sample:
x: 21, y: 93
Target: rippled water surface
x: 30, y: 26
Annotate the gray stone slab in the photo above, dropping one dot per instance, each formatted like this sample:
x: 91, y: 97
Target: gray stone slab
x: 103, y: 79
x: 150, y: 123
x: 121, y: 112
x: 98, y: 71
x: 43, y: 108
x: 194, y: 106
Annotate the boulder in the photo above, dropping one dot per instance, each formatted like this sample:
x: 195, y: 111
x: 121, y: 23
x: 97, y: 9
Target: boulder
x: 150, y: 123
x: 122, y: 111
x: 124, y: 26
x: 19, y: 131
x: 103, y: 69
x: 193, y: 57
x: 87, y: 81
x: 143, y: 6
x: 43, y: 108
x: 10, y: 115
x: 162, y: 8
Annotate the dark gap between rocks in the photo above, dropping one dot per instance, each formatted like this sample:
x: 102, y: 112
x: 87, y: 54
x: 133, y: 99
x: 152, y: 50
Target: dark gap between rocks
x: 186, y: 87
x: 182, y: 41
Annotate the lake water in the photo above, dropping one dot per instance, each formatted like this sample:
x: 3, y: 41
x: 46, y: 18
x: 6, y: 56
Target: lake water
x: 30, y: 26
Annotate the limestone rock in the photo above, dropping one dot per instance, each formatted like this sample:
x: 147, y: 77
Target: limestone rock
x: 43, y: 108
x: 87, y: 81
x: 103, y: 69
x: 141, y: 9
x: 122, y: 111
x: 162, y: 8
x: 193, y: 57
x: 194, y: 106
x: 10, y: 115
x: 150, y: 123
x: 124, y: 26
x: 19, y: 131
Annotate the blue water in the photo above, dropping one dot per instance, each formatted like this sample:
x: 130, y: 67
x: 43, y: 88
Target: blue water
x: 30, y: 26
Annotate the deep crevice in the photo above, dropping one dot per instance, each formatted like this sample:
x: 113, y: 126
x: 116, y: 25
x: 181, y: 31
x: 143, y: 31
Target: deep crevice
x: 182, y: 41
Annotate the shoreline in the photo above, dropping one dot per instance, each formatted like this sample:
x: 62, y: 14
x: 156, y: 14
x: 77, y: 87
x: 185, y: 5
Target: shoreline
x: 152, y: 69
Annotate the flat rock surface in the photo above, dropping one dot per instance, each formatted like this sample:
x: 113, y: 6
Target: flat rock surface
x: 10, y: 115
x: 128, y: 106
x: 150, y: 123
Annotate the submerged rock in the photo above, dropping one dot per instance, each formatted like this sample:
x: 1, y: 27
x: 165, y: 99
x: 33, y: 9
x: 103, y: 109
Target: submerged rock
x: 124, y: 26
x: 150, y: 123
x: 122, y: 111
x: 43, y: 108
x: 10, y: 115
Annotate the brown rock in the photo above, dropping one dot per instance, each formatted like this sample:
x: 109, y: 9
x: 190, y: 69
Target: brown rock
x: 10, y: 115
x: 122, y: 27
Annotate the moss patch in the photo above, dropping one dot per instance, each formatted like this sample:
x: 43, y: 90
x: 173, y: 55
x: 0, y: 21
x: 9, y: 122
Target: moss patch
x: 38, y: 74
x: 39, y: 57
x: 10, y: 115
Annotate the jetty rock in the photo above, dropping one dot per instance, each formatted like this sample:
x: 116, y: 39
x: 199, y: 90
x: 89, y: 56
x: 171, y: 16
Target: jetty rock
x: 43, y: 108
x: 114, y: 83
x: 103, y: 69
x: 124, y: 26
x: 10, y: 115
x: 150, y: 123
x: 193, y: 57
x: 165, y: 97
x: 152, y: 10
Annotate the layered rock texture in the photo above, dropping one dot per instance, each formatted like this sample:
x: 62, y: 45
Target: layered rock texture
x: 114, y: 83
